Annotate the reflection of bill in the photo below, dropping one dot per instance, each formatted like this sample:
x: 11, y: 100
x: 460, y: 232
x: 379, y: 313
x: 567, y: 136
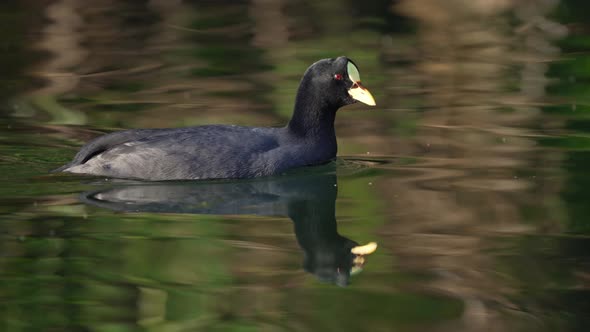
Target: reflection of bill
x: 367, y: 249
x: 359, y: 253
x: 309, y: 200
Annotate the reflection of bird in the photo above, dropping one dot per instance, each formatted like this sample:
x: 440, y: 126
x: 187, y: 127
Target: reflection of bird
x: 308, y: 199
x: 328, y: 255
x: 224, y: 151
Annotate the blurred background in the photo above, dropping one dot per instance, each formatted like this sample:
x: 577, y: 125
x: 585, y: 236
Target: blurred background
x: 471, y: 173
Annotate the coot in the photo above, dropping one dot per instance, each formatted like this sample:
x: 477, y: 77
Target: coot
x: 228, y: 151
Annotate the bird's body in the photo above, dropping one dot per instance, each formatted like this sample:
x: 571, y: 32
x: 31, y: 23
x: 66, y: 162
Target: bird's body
x: 227, y: 151
x: 198, y: 153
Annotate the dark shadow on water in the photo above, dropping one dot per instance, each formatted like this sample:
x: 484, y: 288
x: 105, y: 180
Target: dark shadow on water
x: 307, y: 199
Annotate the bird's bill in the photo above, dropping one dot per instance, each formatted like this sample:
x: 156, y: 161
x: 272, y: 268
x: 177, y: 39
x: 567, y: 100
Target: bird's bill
x: 358, y: 91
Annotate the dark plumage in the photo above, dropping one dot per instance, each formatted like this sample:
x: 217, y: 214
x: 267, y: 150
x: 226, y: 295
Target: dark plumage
x: 226, y: 151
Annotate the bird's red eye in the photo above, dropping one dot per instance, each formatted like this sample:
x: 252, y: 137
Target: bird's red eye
x: 338, y: 77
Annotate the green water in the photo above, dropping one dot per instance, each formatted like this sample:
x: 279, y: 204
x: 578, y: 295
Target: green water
x: 471, y: 173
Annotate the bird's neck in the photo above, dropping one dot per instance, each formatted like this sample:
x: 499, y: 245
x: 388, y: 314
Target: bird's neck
x: 313, y: 116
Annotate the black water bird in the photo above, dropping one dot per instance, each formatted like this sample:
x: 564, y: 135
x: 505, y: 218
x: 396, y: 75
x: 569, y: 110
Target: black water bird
x: 227, y: 151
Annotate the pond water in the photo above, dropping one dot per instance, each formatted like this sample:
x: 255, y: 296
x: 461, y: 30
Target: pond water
x: 471, y: 174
